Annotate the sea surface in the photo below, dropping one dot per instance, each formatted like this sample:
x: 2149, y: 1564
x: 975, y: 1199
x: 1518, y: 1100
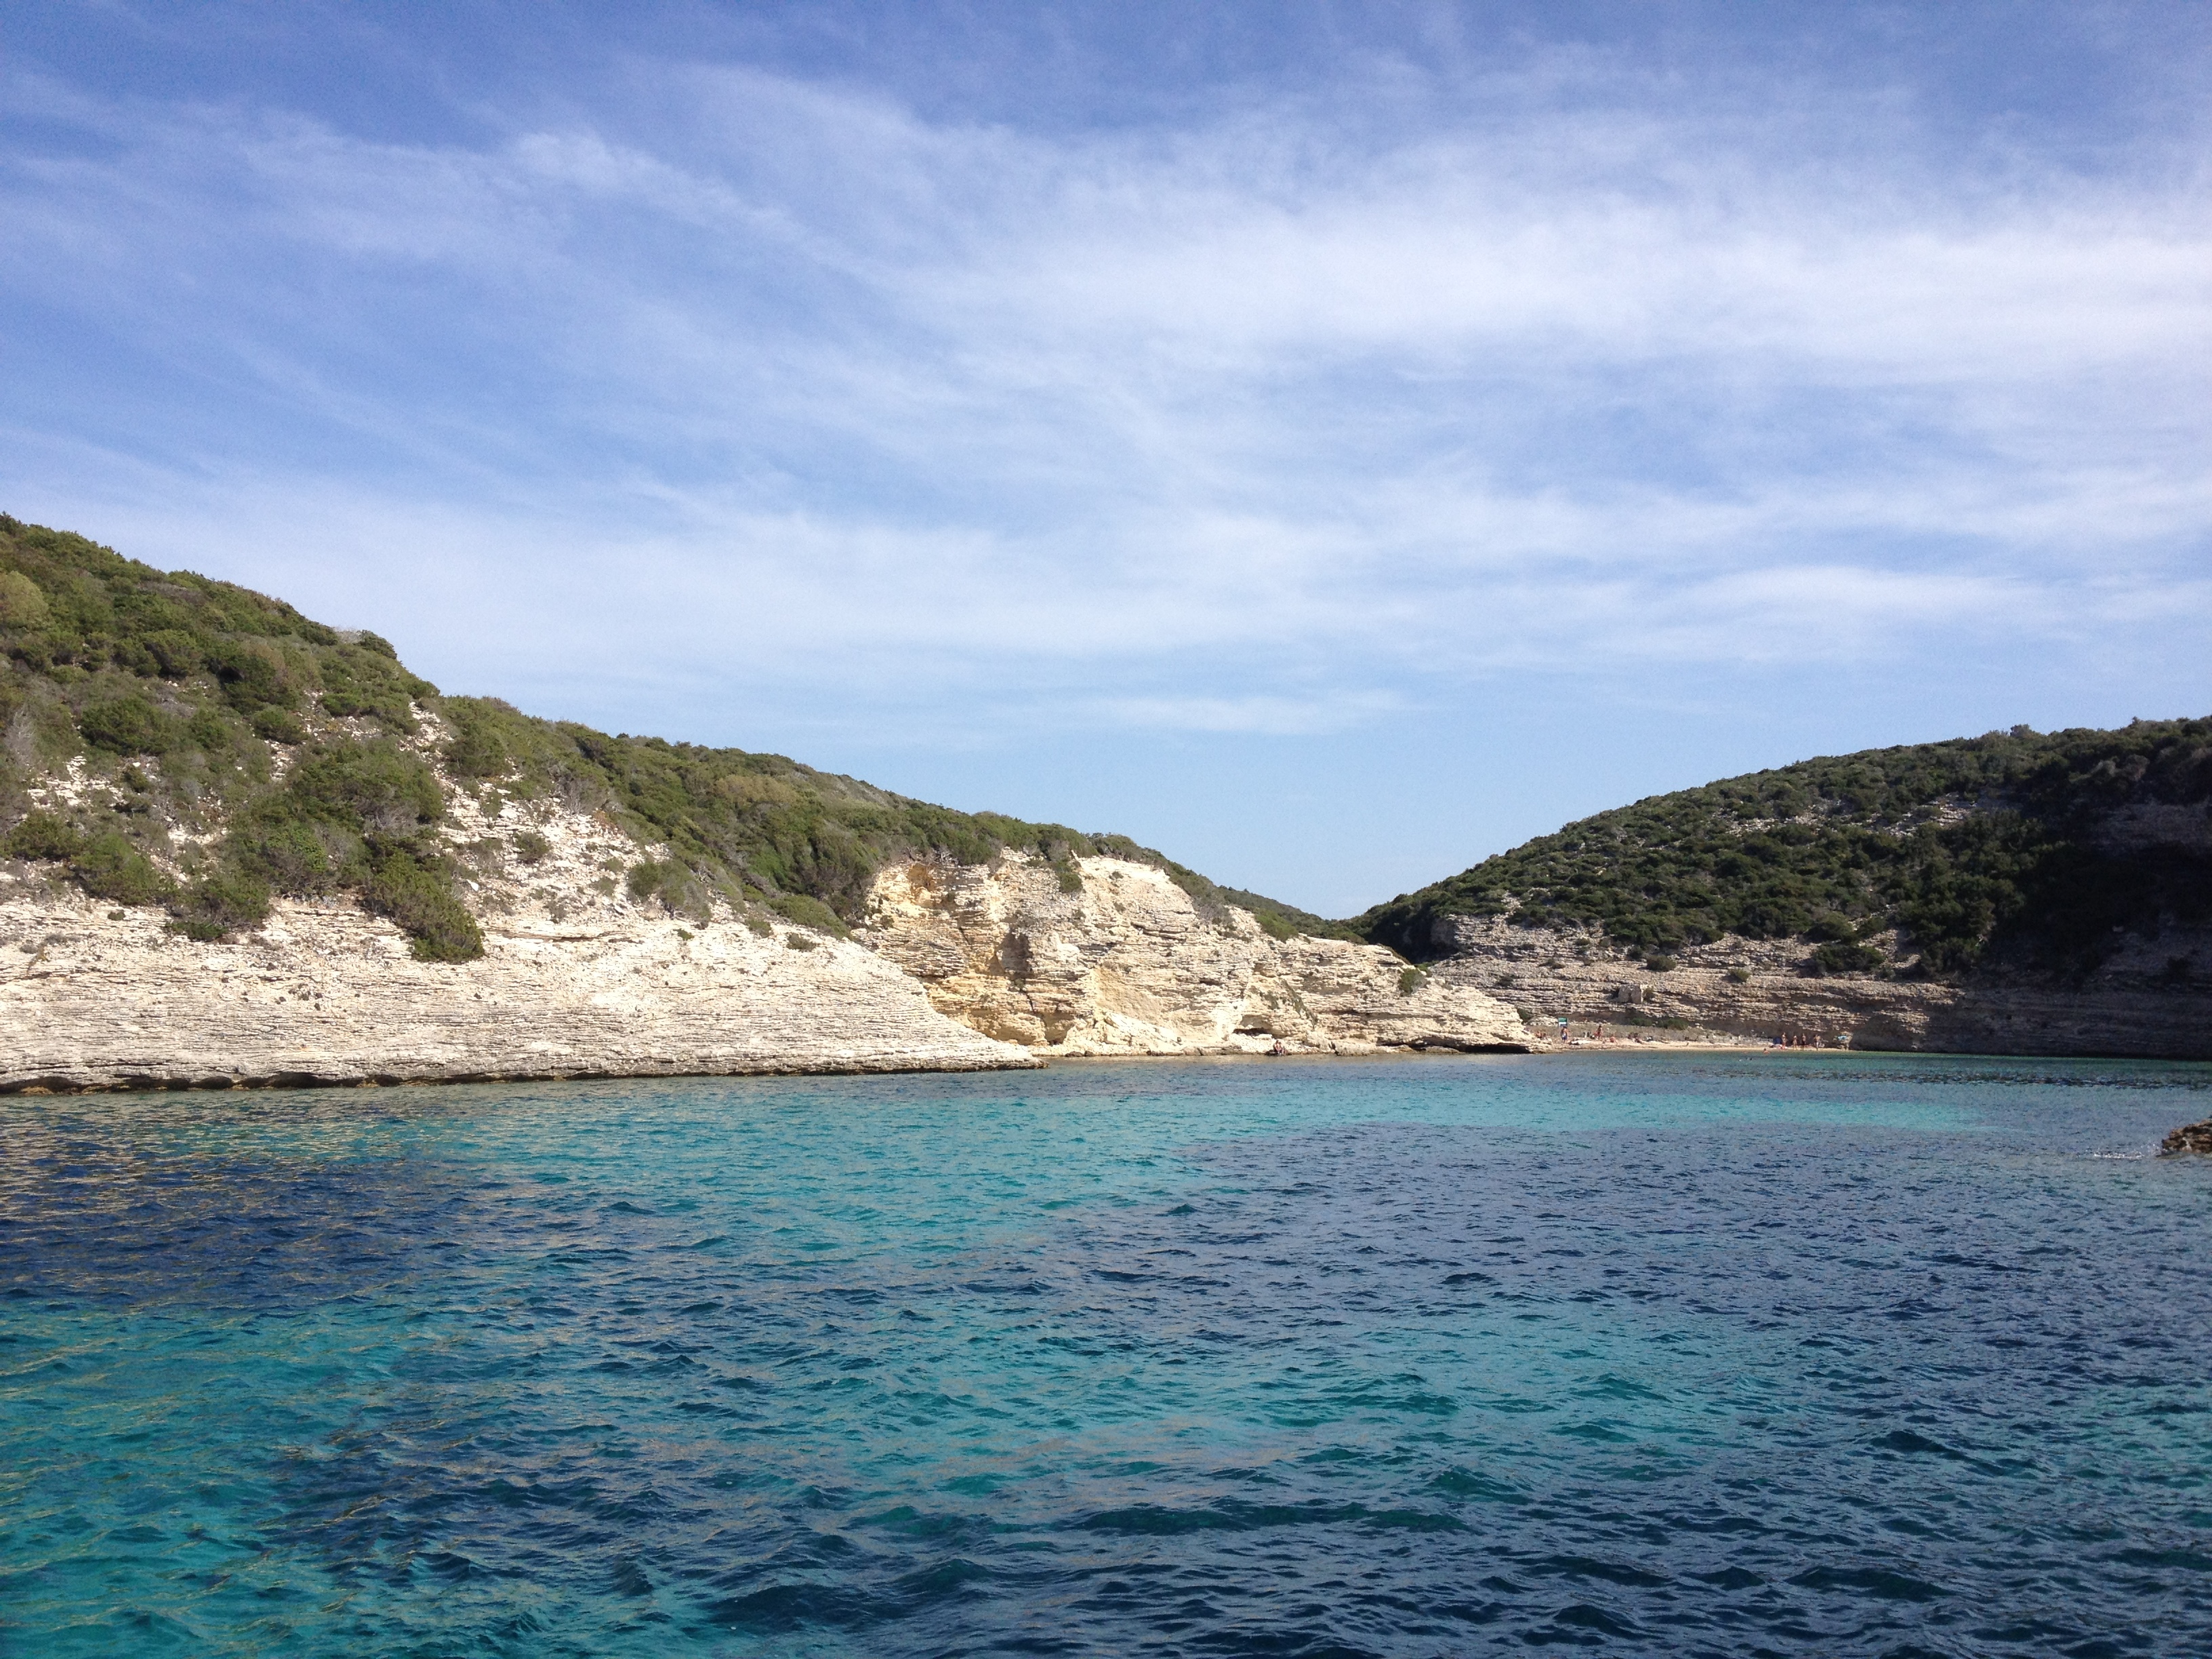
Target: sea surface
x: 1642, y: 1353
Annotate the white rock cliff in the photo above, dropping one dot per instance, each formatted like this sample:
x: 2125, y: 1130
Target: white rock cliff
x: 961, y: 967
x: 1114, y: 958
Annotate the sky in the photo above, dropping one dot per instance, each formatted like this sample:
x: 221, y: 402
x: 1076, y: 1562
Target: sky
x: 1331, y: 443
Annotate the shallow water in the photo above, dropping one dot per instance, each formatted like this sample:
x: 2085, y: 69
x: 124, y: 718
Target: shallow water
x: 1650, y: 1354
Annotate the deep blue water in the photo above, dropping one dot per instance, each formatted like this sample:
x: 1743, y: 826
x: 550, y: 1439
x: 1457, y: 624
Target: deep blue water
x: 1789, y: 1354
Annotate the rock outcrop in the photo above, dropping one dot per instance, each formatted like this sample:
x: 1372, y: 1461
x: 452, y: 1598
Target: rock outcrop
x: 2189, y: 1137
x: 576, y: 980
x: 961, y: 967
x: 2150, y: 998
x: 1104, y: 956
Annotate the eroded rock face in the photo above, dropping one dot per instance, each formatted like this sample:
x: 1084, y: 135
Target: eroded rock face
x: 2152, y: 998
x: 333, y: 996
x: 577, y: 980
x: 1116, y: 959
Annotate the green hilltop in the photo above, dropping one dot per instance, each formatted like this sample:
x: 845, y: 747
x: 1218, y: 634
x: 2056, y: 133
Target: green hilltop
x: 179, y: 694
x: 1982, y: 852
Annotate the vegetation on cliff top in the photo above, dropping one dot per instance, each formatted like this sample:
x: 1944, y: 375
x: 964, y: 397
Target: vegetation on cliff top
x: 294, y: 750
x: 1980, y: 850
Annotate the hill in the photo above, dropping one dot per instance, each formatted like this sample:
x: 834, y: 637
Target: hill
x: 2022, y: 851
x: 252, y: 752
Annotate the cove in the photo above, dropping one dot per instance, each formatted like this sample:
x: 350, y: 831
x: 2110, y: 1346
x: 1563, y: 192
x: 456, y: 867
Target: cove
x: 1820, y: 1354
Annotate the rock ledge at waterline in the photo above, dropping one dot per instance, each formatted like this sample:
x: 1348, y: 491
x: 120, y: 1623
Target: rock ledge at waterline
x: 331, y: 995
x: 972, y: 968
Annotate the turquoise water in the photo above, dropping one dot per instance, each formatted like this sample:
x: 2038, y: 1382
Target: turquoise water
x: 1649, y: 1353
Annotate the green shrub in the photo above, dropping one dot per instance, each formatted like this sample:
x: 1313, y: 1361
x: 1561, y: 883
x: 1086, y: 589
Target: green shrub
x: 302, y: 859
x: 1660, y: 963
x: 110, y: 867
x: 224, y: 901
x: 21, y: 603
x: 530, y: 847
x: 419, y: 901
x: 1740, y: 976
x: 42, y: 836
x: 359, y: 681
x: 210, y: 730
x: 1411, y: 980
x: 374, y: 785
x: 253, y: 675
x: 478, y: 748
x: 1842, y: 957
x: 175, y: 653
x: 278, y: 726
x: 808, y: 912
x: 128, y: 725
x: 799, y: 942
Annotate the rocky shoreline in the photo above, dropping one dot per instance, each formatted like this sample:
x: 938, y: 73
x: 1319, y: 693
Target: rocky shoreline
x: 961, y: 967
x: 1761, y: 990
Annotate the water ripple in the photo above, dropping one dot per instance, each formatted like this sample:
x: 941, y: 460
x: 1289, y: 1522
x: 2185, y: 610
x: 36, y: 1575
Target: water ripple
x: 1649, y: 1355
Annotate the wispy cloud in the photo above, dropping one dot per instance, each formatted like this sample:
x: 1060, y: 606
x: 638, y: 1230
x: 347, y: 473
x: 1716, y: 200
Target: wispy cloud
x: 788, y: 381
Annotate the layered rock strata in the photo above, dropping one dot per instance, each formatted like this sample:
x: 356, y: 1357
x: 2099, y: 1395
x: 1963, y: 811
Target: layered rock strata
x: 333, y: 996
x: 2151, y: 998
x: 1102, y: 956
x: 576, y: 980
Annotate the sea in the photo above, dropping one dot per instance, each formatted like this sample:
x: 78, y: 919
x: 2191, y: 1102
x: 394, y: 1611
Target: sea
x: 1632, y: 1352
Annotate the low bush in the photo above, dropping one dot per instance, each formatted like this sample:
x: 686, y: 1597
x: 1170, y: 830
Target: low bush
x: 1845, y: 957
x: 109, y: 867
x: 530, y: 847
x: 175, y: 654
x: 224, y: 901
x: 42, y: 836
x: 130, y: 725
x: 1660, y: 963
x: 372, y: 785
x: 302, y: 857
x: 808, y: 912
x: 253, y: 675
x: 22, y: 604
x: 278, y: 726
x: 424, y: 907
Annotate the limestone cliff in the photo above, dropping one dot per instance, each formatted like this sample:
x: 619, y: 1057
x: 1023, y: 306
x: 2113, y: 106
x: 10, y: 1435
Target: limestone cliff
x: 1105, y: 956
x: 577, y: 979
x: 2133, y: 1003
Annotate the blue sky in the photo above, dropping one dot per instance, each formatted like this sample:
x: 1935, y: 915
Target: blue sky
x: 1330, y: 443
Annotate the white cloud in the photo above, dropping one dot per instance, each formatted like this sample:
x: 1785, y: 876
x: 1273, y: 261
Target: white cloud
x: 791, y: 371
x: 1274, y: 716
